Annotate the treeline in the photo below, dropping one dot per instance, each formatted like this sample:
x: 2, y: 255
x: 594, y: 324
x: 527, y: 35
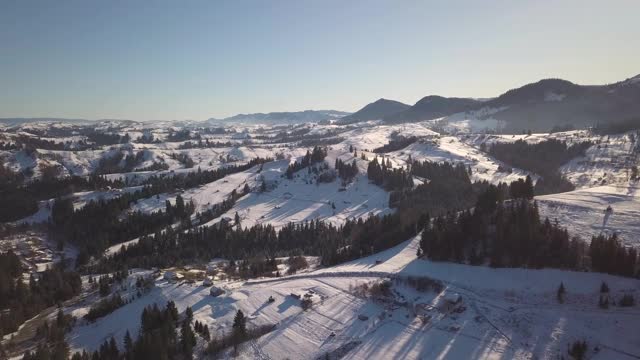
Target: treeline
x: 104, y: 307
x: 51, y: 339
x: 512, y: 234
x: 609, y: 255
x: 205, y: 144
x: 120, y: 162
x: 181, y: 135
x: 168, y: 183
x: 219, y: 209
x: 183, y: 159
x: 163, y: 335
x: 354, y: 239
x: 543, y: 158
x: 157, y: 339
x: 147, y: 138
x: 31, y: 143
x: 399, y: 143
x: 98, y: 224
x: 618, y: 127
x: 496, y: 232
x: 384, y: 175
x: 20, y: 199
x: 20, y: 301
x: 101, y: 138
x: 300, y: 135
x: 502, y: 234
x: 259, y: 244
x: 317, y: 155
x: 320, y: 142
x: 16, y: 202
x: 346, y: 171
x: 48, y: 188
x: 94, y: 139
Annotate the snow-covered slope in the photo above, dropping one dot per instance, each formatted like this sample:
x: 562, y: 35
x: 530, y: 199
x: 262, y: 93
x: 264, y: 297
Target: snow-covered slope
x: 508, y: 313
x: 584, y: 213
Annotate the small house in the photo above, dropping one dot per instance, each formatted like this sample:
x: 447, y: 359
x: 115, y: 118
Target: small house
x: 207, y: 281
x: 450, y: 301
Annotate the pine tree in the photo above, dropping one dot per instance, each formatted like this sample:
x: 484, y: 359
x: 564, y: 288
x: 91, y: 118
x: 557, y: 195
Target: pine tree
x: 180, y: 205
x: 560, y: 293
x: 189, y: 313
x: 237, y: 220
x: 187, y: 339
x: 528, y: 189
x: 128, y: 346
x: 60, y: 319
x: 240, y: 324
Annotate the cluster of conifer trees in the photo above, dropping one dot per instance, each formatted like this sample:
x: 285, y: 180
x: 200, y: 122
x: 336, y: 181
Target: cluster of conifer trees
x: 398, y: 143
x: 183, y: 159
x: 383, y: 174
x: 157, y: 339
x: 181, y: 135
x: 54, y: 345
x: 204, y: 144
x: 346, y: 171
x: 20, y: 301
x: 543, y: 158
x: 98, y: 225
x: 609, y: 255
x: 317, y: 155
x: 20, y: 198
x: 119, y: 162
x: 504, y: 235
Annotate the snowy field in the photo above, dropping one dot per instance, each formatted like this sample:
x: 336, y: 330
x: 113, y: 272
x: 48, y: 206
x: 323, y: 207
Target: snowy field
x: 509, y: 313
x: 505, y: 313
x: 583, y: 211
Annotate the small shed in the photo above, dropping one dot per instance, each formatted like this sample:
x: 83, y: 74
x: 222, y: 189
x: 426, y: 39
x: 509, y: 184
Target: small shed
x: 207, y: 281
x: 452, y: 298
x: 450, y: 301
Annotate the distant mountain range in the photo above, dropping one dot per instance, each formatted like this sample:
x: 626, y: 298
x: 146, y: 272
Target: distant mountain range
x: 375, y: 111
x: 273, y: 118
x: 540, y: 106
x: 433, y: 107
x: 551, y: 103
x: 20, y: 121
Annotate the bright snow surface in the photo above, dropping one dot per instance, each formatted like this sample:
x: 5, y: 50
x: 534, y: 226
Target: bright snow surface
x: 510, y: 313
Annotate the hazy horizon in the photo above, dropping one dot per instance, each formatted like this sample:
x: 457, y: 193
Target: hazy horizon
x: 177, y: 61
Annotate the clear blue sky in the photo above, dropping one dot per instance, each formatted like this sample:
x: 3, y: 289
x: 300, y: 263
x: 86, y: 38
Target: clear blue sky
x: 174, y: 59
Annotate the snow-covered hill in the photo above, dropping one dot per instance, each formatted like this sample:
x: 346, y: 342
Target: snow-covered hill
x: 505, y: 313
x: 584, y: 211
